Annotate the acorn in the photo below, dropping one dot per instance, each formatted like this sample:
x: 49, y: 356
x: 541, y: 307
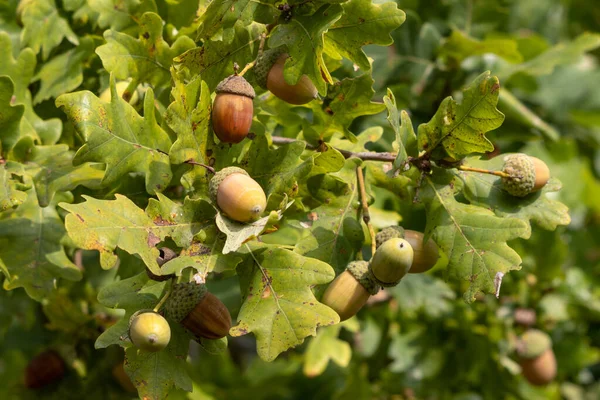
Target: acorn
x: 537, y: 359
x: 425, y: 254
x: 199, y: 311
x: 149, y: 331
x: 269, y: 75
x: 350, y: 290
x: 526, y: 174
x: 44, y: 369
x: 388, y: 233
x: 123, y: 379
x: 165, y: 255
x: 233, y: 109
x: 391, y: 261
x: 238, y: 195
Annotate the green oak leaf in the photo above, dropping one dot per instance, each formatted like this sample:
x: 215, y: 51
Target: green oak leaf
x: 324, y: 347
x: 44, y: 28
x: 421, y: 292
x: 458, y: 130
x: 362, y: 23
x: 116, y: 135
x: 204, y: 258
x: 153, y: 374
x: 52, y: 170
x: 279, y: 307
x: 486, y: 191
x: 280, y: 170
x: 330, y: 160
x: 31, y: 252
x: 303, y: 36
x: 214, y: 60
x: 238, y: 233
x: 345, y: 101
x: 473, y: 237
x: 119, y: 15
x: 147, y: 59
x: 562, y: 53
x: 12, y: 190
x: 64, y: 72
x: 329, y: 238
x: 405, y: 144
x: 10, y: 115
x: 460, y: 46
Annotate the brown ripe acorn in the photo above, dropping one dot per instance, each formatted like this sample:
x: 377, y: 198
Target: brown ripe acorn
x: 269, y: 74
x: 536, y: 357
x: 44, y: 369
x: 238, y: 195
x: 425, y: 254
x: 350, y: 290
x: 149, y: 331
x: 199, y: 311
x: 526, y: 174
x: 233, y: 109
x: 391, y: 261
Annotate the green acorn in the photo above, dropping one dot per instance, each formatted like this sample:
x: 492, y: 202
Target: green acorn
x: 391, y: 261
x: 238, y: 195
x: 537, y: 359
x: 148, y: 330
x: 350, y: 290
x: 388, y: 233
x: 198, y: 310
x: 526, y: 174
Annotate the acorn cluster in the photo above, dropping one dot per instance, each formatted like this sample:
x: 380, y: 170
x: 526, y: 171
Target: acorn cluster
x: 399, y: 252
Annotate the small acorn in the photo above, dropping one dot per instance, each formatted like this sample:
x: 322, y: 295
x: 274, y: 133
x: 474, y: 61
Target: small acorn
x: 165, y: 255
x: 391, y: 261
x: 199, y: 311
x: 238, y: 195
x: 526, y: 174
x: 537, y: 359
x: 350, y: 290
x: 44, y: 369
x: 149, y: 331
x: 388, y: 233
x: 425, y: 254
x: 233, y: 109
x: 269, y: 75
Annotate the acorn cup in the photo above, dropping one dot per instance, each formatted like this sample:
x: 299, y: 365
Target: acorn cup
x: 198, y: 311
x: 269, y: 69
x: 350, y: 290
x: 391, y: 262
x: 44, y: 369
x: 536, y: 357
x: 238, y: 195
x: 233, y: 109
x: 526, y: 174
x: 388, y: 233
x: 165, y: 255
x: 149, y: 331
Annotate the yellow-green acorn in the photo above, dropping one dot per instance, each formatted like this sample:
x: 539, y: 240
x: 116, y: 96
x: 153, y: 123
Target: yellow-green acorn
x: 238, y: 195
x: 526, y: 174
x: 269, y: 75
x: 233, y: 109
x: 537, y: 359
x: 198, y: 310
x: 120, y: 86
x: 391, y: 261
x: 149, y: 331
x: 425, y: 254
x: 350, y: 290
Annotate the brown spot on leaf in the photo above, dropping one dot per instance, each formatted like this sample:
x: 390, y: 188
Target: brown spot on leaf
x: 152, y: 239
x: 80, y: 218
x: 495, y: 88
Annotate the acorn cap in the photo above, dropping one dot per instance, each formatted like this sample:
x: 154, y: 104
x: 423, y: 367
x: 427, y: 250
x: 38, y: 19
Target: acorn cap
x: 389, y: 233
x: 521, y: 171
x: 264, y: 62
x: 183, y: 299
x: 533, y: 343
x: 360, y: 271
x: 213, y: 186
x: 236, y: 84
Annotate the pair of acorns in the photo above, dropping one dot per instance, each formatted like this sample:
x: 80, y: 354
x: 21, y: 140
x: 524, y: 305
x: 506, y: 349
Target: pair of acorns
x: 233, y: 109
x: 398, y: 252
x: 200, y: 312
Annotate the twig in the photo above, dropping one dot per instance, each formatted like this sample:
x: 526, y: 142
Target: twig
x: 208, y: 167
x: 165, y: 297
x: 365, y: 155
x: 365, y: 206
x: 483, y: 171
x: 247, y: 68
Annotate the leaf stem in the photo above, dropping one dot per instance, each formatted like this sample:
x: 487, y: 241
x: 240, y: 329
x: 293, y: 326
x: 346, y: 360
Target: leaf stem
x: 484, y: 171
x: 365, y: 155
x: 128, y: 93
x: 208, y: 167
x: 165, y: 297
x: 247, y: 68
x: 365, y: 206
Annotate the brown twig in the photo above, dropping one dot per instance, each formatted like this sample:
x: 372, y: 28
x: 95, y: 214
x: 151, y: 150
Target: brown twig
x: 483, y: 171
x: 247, y: 68
x: 365, y: 155
x: 208, y: 167
x: 365, y: 206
